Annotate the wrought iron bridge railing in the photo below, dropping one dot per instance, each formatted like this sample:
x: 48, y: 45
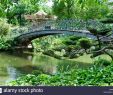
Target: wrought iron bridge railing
x: 64, y: 24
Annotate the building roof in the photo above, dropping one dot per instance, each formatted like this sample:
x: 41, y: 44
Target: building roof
x: 41, y: 12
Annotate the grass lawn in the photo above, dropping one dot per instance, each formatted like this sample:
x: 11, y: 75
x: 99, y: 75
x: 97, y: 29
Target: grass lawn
x: 86, y: 58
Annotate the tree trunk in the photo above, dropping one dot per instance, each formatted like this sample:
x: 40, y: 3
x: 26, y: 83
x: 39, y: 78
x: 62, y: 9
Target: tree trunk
x: 20, y: 19
x: 109, y: 55
x: 99, y: 42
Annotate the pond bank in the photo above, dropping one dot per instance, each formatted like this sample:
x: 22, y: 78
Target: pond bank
x: 14, y: 65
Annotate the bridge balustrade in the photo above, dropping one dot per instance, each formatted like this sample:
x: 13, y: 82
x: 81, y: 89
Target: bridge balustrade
x: 64, y: 24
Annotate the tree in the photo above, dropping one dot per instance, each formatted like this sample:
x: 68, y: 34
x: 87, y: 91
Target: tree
x: 104, y: 38
x: 83, y: 9
x: 2, y: 13
x: 4, y: 27
x: 98, y: 29
x: 4, y: 6
x: 14, y: 10
x: 85, y: 43
x: 89, y: 11
x: 64, y: 8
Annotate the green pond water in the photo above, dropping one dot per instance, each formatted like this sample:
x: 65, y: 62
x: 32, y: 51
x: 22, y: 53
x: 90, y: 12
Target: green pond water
x: 14, y: 65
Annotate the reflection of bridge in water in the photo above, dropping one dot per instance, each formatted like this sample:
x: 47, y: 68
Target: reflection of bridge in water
x: 53, y: 27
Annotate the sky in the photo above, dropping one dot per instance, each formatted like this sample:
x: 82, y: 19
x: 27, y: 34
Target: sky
x: 49, y: 3
x: 111, y: 0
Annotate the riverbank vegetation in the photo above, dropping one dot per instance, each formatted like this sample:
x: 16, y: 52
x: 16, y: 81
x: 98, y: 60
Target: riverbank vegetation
x: 98, y: 75
x: 97, y: 48
x: 5, y: 29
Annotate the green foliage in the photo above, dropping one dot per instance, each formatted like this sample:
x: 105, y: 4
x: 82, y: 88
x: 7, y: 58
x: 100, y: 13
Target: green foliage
x: 69, y: 48
x: 72, y: 40
x: 14, y: 11
x: 2, y: 13
x: 85, y: 43
x: 99, y: 28
x: 19, y: 30
x: 47, y: 43
x: 37, y: 72
x: 83, y: 9
x: 41, y: 44
x: 93, y: 76
x: 90, y: 11
x: 4, y: 44
x: 4, y: 30
x: 107, y: 20
x: 102, y: 62
x: 4, y: 27
x: 110, y: 15
x: 49, y: 52
x: 64, y: 8
x: 69, y: 42
x: 52, y: 54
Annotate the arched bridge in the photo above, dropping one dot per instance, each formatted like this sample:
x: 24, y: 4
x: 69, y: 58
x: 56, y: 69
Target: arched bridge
x: 26, y: 38
x: 44, y: 28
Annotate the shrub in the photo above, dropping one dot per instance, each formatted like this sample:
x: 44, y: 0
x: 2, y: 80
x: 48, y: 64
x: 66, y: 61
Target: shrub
x: 4, y: 27
x: 85, y: 43
x: 70, y: 48
x: 73, y: 55
x: 19, y: 30
x: 4, y: 44
x: 37, y: 72
x: 52, y: 54
x: 69, y: 42
x: 93, y: 76
x: 102, y: 62
x: 74, y: 38
x: 49, y: 52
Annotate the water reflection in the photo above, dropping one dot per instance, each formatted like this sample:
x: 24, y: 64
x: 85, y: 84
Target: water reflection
x: 45, y: 63
x: 12, y: 73
x: 16, y: 64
